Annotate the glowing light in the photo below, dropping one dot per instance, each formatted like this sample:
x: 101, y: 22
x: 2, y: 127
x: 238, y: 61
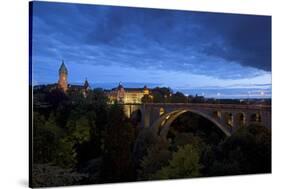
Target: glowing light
x: 162, y: 111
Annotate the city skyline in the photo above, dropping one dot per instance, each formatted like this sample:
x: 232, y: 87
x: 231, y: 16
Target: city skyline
x: 224, y: 55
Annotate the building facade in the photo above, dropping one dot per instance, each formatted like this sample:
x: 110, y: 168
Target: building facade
x: 63, y: 73
x: 127, y: 95
x: 119, y: 94
x: 65, y: 86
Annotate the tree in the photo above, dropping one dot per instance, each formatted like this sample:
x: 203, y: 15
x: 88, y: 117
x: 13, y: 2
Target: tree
x: 117, y: 156
x: 46, y: 175
x: 147, y: 98
x: 55, y: 97
x: 144, y: 141
x: 66, y: 154
x: 157, y: 157
x: 181, y: 139
x: 179, y: 97
x: 82, y: 130
x: 184, y: 163
x: 78, y: 132
x: 46, y: 138
x: 98, y: 104
x: 161, y: 95
x: 69, y: 128
x: 247, y: 151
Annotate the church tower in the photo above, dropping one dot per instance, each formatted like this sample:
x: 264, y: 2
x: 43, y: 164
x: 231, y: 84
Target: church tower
x: 62, y: 83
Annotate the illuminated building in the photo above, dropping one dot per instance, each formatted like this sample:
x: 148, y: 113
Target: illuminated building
x: 119, y: 94
x: 127, y: 95
x: 62, y: 83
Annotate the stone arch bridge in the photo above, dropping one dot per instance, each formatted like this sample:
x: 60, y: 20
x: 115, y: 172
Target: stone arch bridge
x: 228, y: 117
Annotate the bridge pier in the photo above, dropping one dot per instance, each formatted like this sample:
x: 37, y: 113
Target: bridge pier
x: 236, y: 122
x: 266, y: 119
x: 146, y: 111
x: 227, y: 117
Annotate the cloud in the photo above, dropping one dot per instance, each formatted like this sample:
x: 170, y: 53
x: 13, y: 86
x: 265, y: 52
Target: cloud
x: 224, y: 46
x: 245, y: 39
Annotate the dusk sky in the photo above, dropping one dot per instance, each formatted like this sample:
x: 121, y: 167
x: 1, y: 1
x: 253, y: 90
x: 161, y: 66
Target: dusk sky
x: 225, y: 55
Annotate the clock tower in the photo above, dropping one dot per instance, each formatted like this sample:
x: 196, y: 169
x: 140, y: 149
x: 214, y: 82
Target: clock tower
x: 62, y: 83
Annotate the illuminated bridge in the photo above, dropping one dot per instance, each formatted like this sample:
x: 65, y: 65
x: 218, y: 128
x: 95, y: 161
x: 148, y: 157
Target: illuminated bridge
x: 227, y: 117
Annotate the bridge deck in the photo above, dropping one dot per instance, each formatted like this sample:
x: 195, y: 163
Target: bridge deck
x: 204, y: 105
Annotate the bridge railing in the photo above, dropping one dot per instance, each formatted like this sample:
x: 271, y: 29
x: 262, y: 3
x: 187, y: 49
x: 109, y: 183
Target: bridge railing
x: 223, y: 106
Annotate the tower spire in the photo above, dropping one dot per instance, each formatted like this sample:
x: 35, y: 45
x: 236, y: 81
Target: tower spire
x: 63, y: 68
x: 62, y: 83
x: 86, y: 83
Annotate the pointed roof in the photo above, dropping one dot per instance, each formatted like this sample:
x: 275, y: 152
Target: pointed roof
x: 63, y: 68
x: 120, y: 86
x: 86, y: 83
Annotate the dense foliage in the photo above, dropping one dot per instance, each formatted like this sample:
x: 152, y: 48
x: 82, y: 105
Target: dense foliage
x: 80, y: 139
x: 248, y: 151
x: 196, y: 147
x: 184, y: 163
x: 80, y: 134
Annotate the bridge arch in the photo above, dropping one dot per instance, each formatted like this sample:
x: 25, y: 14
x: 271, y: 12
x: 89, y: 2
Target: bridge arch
x: 256, y: 117
x: 162, y: 125
x: 240, y: 119
x: 228, y: 118
x: 217, y: 114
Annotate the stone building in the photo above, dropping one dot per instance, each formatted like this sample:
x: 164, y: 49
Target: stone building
x: 63, y: 73
x: 119, y: 94
x: 63, y: 82
x: 127, y: 95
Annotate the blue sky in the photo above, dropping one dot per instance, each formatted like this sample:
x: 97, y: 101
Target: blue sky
x: 225, y: 55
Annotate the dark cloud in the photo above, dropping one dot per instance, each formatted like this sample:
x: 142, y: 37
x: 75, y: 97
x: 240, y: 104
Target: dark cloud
x: 217, y: 45
x: 246, y: 39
